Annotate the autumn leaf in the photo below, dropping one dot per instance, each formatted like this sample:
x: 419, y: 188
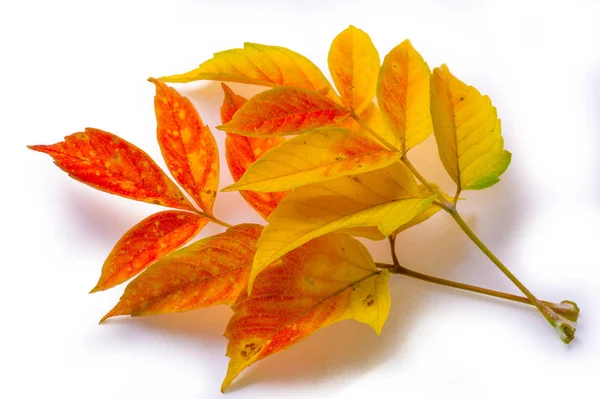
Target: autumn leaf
x: 209, y: 272
x: 242, y: 151
x: 187, y: 145
x: 403, y: 96
x: 146, y: 242
x: 109, y: 163
x: 467, y: 131
x: 284, y: 111
x: 321, y: 155
x: 262, y: 65
x: 354, y: 66
x: 329, y: 279
x: 385, y: 198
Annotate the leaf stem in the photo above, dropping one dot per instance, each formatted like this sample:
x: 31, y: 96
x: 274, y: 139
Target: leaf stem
x: 456, y: 196
x: 565, y: 328
x: 445, y: 203
x: 368, y: 128
x: 220, y: 222
x: 566, y: 309
x: 213, y: 219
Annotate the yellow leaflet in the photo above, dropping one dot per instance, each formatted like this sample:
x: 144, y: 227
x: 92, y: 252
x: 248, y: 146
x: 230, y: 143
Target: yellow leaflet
x: 321, y: 155
x: 370, y: 301
x: 354, y: 65
x: 467, y: 131
x: 285, y: 232
x: 262, y: 65
x: 386, y: 198
x: 403, y: 95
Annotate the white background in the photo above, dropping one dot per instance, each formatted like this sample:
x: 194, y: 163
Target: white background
x: 66, y: 65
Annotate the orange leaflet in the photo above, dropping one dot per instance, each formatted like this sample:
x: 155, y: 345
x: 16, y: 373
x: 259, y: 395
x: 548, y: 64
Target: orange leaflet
x: 329, y: 279
x: 109, y: 163
x: 209, y: 272
x: 242, y: 151
x: 187, y: 145
x: 403, y: 96
x: 146, y: 242
x: 284, y: 111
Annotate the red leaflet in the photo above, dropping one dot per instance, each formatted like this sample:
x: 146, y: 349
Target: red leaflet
x: 284, y: 111
x: 146, y: 242
x: 109, y: 163
x: 242, y: 151
x: 329, y: 279
x: 187, y: 145
x: 209, y: 272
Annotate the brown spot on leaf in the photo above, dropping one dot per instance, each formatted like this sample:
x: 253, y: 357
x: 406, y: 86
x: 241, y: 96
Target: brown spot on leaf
x: 369, y: 301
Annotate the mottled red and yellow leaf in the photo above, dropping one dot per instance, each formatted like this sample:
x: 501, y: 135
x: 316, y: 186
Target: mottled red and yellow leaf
x: 243, y: 151
x: 109, y: 163
x: 386, y: 198
x: 467, y: 131
x: 403, y: 96
x: 329, y: 279
x: 262, y: 65
x: 187, y: 145
x: 321, y: 155
x: 285, y: 111
x: 354, y: 66
x: 146, y: 242
x: 209, y: 272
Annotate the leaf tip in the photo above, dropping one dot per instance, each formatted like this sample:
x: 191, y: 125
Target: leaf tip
x: 38, y: 148
x: 233, y: 370
x: 95, y: 289
x: 231, y: 187
x: 226, y: 88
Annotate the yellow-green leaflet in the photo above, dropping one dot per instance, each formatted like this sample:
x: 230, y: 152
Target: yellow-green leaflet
x: 467, y: 131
